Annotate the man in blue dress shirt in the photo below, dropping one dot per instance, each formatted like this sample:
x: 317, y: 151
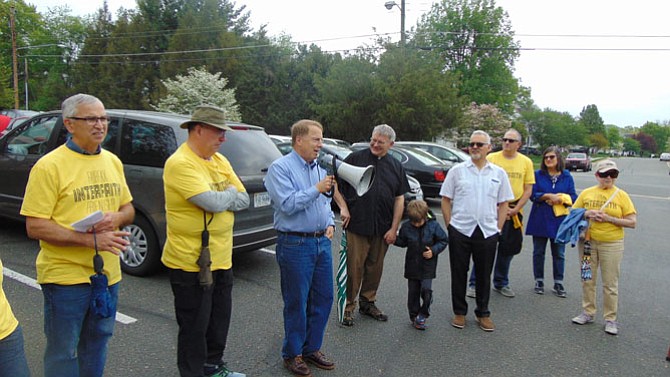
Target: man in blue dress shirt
x: 305, y: 225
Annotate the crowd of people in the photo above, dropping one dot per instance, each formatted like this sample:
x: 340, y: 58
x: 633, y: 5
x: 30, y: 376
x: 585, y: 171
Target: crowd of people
x: 481, y: 202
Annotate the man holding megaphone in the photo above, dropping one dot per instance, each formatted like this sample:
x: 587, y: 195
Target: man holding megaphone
x: 374, y: 222
x: 305, y: 225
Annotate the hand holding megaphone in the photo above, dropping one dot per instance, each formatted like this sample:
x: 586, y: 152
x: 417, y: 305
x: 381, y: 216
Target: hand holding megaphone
x: 326, y: 184
x: 359, y: 178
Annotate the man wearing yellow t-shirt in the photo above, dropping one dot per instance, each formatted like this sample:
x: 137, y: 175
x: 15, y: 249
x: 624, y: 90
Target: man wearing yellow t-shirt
x: 59, y: 194
x: 519, y: 169
x: 201, y: 193
x: 12, y: 355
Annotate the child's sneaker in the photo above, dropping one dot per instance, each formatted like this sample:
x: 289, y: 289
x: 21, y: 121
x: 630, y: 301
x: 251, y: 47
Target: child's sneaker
x: 420, y: 322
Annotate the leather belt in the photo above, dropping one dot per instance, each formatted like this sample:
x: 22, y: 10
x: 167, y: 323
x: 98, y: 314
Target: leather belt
x: 305, y: 234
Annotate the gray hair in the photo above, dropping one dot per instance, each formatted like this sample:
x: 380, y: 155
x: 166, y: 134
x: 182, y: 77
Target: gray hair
x: 70, y: 105
x: 480, y: 132
x: 518, y: 134
x: 384, y: 130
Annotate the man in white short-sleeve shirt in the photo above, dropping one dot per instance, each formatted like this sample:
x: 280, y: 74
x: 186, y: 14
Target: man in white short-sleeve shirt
x: 474, y: 206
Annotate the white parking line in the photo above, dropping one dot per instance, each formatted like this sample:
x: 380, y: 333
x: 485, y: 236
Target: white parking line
x: 120, y: 317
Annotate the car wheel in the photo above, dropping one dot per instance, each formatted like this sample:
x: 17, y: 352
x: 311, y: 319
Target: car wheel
x: 142, y: 256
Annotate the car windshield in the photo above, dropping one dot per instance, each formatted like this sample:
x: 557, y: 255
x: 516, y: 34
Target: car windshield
x: 340, y: 152
x: 424, y: 157
x: 577, y: 155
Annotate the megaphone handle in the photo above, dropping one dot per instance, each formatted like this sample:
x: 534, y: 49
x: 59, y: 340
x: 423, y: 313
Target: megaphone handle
x: 330, y: 193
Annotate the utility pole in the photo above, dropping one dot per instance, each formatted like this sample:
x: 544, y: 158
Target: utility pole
x: 12, y: 29
x: 402, y: 23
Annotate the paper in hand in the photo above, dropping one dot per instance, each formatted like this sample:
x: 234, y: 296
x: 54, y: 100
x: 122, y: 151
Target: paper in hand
x: 87, y: 222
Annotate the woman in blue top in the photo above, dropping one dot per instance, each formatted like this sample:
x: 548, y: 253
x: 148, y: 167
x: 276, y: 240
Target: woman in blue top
x: 553, y: 192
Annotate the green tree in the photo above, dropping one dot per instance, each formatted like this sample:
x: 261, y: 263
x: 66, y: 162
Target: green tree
x: 631, y: 145
x: 550, y: 127
x: 184, y: 93
x: 474, y: 39
x: 590, y: 118
x: 614, y: 137
x: 659, y: 133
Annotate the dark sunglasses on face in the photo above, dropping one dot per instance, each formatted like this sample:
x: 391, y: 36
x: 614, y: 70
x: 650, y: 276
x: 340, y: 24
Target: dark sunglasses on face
x: 549, y: 157
x: 505, y: 140
x: 610, y: 173
x: 477, y: 144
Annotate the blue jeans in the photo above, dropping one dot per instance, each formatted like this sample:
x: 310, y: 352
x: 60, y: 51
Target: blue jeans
x: 557, y: 256
x: 306, y: 269
x: 500, y: 271
x: 12, y: 355
x: 76, y: 339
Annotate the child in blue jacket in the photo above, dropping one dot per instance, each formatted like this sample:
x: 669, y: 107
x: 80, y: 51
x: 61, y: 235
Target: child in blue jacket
x: 424, y: 239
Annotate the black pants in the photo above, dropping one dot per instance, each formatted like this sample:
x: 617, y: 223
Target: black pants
x: 418, y: 291
x: 483, y: 253
x: 203, y: 316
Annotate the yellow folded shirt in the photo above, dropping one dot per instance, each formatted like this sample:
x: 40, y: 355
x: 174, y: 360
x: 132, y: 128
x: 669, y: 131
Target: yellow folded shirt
x: 562, y: 209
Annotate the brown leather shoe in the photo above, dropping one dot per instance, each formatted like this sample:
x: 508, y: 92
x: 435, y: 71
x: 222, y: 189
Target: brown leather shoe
x: 297, y: 366
x: 486, y: 324
x: 373, y: 311
x: 458, y: 321
x: 320, y: 360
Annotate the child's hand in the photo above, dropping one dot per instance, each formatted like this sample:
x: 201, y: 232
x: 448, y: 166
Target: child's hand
x: 428, y: 253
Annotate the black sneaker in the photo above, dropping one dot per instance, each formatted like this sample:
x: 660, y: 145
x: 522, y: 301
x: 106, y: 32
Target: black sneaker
x: 559, y: 290
x: 539, y: 287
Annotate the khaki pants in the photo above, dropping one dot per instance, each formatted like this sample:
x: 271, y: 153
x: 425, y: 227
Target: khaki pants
x: 365, y: 264
x: 605, y: 256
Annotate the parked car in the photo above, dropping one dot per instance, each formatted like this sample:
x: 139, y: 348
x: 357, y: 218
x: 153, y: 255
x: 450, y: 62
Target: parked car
x: 143, y: 140
x: 415, y: 191
x: 16, y: 113
x: 339, y: 142
x: 280, y: 139
x: 13, y: 123
x: 576, y: 161
x: 429, y: 170
x: 664, y: 157
x: 444, y: 153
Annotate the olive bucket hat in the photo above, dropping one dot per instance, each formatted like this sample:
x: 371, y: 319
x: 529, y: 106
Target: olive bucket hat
x: 210, y: 115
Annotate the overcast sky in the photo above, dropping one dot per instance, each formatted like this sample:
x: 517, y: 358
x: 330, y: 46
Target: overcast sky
x: 622, y: 71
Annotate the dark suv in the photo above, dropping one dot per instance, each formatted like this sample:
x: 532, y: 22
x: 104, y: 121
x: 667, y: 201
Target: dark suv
x: 143, y: 140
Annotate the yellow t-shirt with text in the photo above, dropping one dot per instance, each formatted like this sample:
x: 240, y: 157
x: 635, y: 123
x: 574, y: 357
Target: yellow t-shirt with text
x: 187, y: 175
x: 620, y: 206
x: 66, y: 186
x: 519, y: 171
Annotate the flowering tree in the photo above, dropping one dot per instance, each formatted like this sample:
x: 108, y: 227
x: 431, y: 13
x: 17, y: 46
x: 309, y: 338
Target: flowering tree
x: 486, y: 118
x: 184, y: 93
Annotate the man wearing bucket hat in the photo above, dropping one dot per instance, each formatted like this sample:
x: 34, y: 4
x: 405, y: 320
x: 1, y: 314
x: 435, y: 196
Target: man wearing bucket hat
x: 609, y: 210
x: 201, y: 193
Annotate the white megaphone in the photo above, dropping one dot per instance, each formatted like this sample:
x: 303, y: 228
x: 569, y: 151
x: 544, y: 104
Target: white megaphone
x: 359, y: 178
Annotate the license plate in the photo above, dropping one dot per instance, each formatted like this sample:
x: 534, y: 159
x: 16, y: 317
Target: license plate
x: 261, y: 199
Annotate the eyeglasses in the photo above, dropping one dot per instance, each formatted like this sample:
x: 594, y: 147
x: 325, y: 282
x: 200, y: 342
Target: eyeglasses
x: 506, y: 140
x: 609, y: 173
x: 477, y: 144
x: 92, y: 121
x: 549, y: 157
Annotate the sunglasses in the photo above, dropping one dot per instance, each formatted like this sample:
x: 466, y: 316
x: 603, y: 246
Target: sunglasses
x: 505, y: 140
x: 610, y: 173
x: 549, y: 157
x: 477, y: 144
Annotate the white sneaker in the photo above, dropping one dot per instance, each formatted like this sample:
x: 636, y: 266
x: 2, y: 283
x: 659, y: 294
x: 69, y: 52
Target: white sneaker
x: 611, y: 327
x: 470, y: 292
x: 582, y: 319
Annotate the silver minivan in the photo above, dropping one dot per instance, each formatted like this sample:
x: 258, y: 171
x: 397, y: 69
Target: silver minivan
x: 143, y: 140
